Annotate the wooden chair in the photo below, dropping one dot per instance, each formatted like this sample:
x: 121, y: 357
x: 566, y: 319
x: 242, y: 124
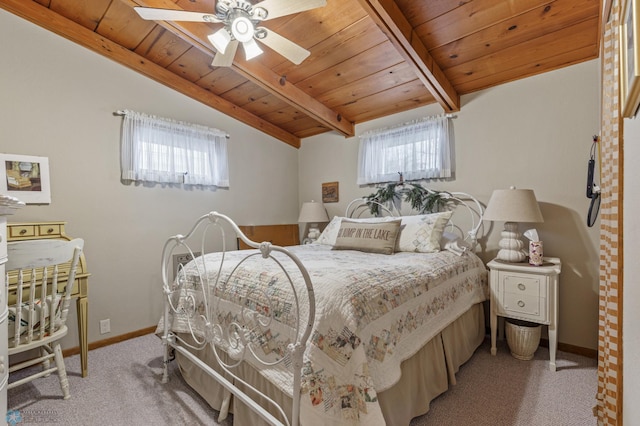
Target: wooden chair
x: 39, y: 306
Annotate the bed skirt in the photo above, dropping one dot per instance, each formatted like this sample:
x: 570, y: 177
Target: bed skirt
x: 425, y: 375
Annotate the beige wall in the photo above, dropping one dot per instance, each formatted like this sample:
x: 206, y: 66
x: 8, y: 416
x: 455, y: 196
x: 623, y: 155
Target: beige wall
x: 534, y: 133
x: 57, y: 100
x: 631, y: 289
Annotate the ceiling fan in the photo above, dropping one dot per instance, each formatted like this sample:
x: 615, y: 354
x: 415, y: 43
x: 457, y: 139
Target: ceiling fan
x: 241, y: 21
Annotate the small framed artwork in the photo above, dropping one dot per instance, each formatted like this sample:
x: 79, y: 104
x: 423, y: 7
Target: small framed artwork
x: 330, y: 192
x: 629, y: 58
x: 26, y: 177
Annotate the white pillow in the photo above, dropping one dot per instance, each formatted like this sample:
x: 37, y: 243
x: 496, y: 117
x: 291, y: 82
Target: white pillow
x: 454, y: 243
x: 330, y: 232
x: 448, y: 237
x: 422, y: 233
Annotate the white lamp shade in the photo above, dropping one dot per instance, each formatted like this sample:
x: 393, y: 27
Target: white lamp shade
x: 313, y: 212
x: 513, y: 205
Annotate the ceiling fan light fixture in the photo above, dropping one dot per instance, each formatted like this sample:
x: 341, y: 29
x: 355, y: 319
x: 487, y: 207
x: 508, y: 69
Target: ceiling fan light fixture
x: 220, y: 40
x: 241, y: 20
x: 242, y: 29
x: 251, y: 49
x: 259, y: 13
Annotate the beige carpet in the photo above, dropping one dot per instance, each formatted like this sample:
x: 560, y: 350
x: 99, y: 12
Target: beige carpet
x: 123, y: 388
x: 504, y: 391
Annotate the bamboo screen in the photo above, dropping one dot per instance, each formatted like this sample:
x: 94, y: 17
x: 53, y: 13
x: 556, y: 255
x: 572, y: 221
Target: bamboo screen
x: 609, y: 397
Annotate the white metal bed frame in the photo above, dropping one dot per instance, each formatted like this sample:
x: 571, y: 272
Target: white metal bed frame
x: 237, y: 334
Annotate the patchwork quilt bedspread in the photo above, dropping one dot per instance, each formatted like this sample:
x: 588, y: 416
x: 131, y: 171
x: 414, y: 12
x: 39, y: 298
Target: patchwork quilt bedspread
x: 373, y: 311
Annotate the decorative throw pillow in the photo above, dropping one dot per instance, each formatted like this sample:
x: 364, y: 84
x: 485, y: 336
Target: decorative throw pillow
x: 330, y: 232
x: 370, y: 237
x: 422, y: 233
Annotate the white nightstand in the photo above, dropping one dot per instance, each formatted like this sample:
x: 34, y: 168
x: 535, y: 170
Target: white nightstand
x: 525, y: 292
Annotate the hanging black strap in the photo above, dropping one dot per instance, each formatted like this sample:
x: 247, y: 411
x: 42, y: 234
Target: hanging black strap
x: 593, y: 192
x: 594, y: 208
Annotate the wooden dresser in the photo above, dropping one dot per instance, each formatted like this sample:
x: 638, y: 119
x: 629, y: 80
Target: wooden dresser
x: 41, y: 230
x: 280, y: 235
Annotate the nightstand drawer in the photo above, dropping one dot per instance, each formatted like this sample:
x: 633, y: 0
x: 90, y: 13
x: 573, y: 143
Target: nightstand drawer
x: 525, y: 306
x: 525, y: 285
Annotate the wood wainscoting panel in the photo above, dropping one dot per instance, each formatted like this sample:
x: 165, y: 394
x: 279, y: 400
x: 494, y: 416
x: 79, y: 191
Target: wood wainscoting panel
x: 280, y: 235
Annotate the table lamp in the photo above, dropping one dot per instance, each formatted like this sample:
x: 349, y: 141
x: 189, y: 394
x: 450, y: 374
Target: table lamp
x: 313, y: 213
x: 511, y: 206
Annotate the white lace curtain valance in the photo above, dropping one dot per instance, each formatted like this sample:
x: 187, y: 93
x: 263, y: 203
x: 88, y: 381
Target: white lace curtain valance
x: 162, y: 150
x: 419, y: 150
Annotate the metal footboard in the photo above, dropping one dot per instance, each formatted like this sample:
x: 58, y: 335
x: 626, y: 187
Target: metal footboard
x: 195, y: 295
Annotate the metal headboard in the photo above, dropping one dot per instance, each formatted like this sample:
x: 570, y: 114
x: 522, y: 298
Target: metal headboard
x: 452, y: 201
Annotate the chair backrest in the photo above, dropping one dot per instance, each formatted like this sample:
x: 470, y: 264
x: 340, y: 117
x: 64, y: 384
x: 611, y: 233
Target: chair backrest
x: 41, y: 302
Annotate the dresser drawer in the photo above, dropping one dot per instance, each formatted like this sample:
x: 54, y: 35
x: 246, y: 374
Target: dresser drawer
x: 3, y: 245
x: 50, y: 229
x: 3, y: 293
x: 22, y: 231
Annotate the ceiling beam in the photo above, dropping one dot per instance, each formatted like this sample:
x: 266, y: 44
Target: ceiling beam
x: 196, y: 35
x: 44, y: 17
x: 395, y: 25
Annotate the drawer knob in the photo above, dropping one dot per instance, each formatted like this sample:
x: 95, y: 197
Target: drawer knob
x: 521, y: 303
x: 522, y: 286
x: 23, y: 231
x: 50, y: 230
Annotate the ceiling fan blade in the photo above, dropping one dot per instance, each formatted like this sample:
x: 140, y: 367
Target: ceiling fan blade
x: 284, y: 46
x: 278, y: 8
x: 226, y: 59
x: 152, y: 14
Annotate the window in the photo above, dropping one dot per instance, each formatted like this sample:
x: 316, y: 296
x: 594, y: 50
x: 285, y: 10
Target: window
x: 165, y: 151
x: 418, y: 150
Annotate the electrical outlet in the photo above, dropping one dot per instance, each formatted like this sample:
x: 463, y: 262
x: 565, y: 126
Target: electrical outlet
x: 105, y: 326
x: 182, y: 259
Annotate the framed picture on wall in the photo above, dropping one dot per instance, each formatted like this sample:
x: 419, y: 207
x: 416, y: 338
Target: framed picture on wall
x: 629, y: 58
x: 330, y: 192
x: 25, y: 177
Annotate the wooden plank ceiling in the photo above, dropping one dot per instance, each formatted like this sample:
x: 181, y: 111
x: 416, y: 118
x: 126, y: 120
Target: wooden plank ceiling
x: 369, y: 58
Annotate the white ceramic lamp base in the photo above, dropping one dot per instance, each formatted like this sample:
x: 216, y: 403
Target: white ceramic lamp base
x: 314, y: 232
x: 511, y: 246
